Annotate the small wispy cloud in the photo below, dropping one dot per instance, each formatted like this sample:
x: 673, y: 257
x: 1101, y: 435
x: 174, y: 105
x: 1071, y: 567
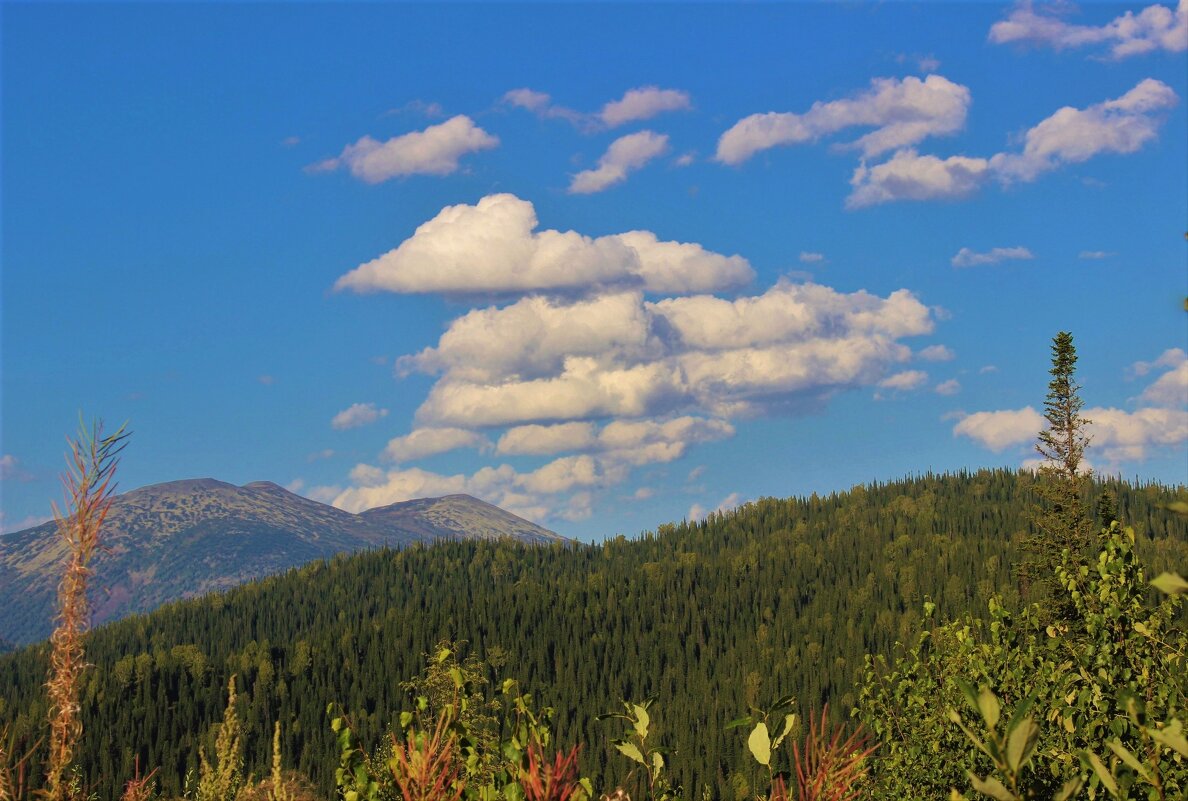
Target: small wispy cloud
x: 643, y: 104
x: 357, y: 415
x: 433, y: 151
x: 950, y: 387
x: 1095, y: 254
x: 625, y: 155
x: 970, y: 258
x: 809, y: 257
x: 936, y: 353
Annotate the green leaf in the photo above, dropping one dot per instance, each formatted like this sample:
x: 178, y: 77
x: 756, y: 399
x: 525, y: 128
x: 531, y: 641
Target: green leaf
x: 992, y: 787
x: 760, y: 744
x: 783, y: 703
x: 630, y: 750
x: 789, y: 722
x: 968, y: 691
x: 1070, y: 789
x: 641, y: 721
x: 744, y: 721
x: 456, y: 675
x: 443, y: 655
x: 657, y: 763
x: 1102, y: 772
x: 1020, y: 713
x: 1130, y: 759
x: 1021, y: 743
x: 1172, y: 736
x: 989, y: 707
x: 1170, y: 584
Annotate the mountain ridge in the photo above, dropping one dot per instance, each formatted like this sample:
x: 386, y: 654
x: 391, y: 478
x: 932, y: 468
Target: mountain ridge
x: 183, y: 538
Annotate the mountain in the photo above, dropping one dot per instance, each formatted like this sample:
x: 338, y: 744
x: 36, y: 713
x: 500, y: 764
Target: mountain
x: 186, y: 538
x: 778, y: 596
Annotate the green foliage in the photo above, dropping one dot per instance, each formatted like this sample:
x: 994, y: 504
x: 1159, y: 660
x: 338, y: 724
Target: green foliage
x: 453, y: 741
x: 223, y: 780
x: 711, y: 617
x: 635, y: 744
x: 1083, y: 681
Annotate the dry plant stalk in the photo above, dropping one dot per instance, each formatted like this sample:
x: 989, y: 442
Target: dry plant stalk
x: 550, y: 781
x: 279, y: 791
x: 90, y: 489
x: 223, y: 780
x: 139, y: 788
x: 427, y: 772
x: 829, y: 769
x: 7, y: 785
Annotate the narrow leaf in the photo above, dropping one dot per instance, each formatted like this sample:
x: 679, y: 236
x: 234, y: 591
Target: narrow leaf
x: 1130, y: 759
x: 1170, y: 584
x: 992, y: 787
x: 1021, y: 743
x: 989, y: 707
x: 1172, y: 736
x: 1102, y: 773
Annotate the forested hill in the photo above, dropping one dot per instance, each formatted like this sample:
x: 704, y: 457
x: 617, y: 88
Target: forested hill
x: 779, y: 596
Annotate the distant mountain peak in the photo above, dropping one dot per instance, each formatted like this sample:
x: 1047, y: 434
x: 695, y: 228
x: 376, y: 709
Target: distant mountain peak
x: 187, y: 537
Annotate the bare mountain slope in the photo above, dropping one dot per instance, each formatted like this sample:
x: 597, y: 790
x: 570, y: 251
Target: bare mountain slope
x: 185, y: 538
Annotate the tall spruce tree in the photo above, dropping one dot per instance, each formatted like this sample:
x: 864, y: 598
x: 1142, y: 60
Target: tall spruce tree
x: 1063, y: 521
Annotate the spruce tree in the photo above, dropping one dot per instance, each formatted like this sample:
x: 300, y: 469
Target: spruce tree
x: 1062, y: 522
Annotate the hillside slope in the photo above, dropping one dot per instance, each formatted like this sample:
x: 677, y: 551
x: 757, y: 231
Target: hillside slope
x: 779, y: 596
x: 186, y: 538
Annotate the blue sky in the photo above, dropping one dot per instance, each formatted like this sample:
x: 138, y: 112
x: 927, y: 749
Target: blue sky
x: 604, y: 265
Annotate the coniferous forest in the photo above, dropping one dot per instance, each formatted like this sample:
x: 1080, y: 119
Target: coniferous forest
x: 714, y: 618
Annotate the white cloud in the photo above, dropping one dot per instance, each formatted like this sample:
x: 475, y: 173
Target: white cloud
x: 910, y: 176
x: 1071, y: 135
x: 902, y: 111
x: 1170, y: 389
x: 528, y: 99
x: 8, y: 467
x: 1172, y: 357
x: 809, y: 257
x: 538, y: 440
x: 697, y: 512
x: 641, y: 442
x: 356, y: 415
x: 1122, y: 436
x: 969, y: 258
x: 542, y: 360
x: 425, y: 442
x: 1095, y: 254
x: 29, y: 521
x: 433, y: 151
x: 1115, y: 435
x: 989, y: 368
x: 643, y: 493
x: 936, y: 353
x: 643, y: 103
x: 904, y: 381
x: 1156, y: 27
x: 625, y: 155
x: 1001, y: 429
x: 685, y: 159
x: 950, y: 387
x: 502, y: 485
x: 494, y: 246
